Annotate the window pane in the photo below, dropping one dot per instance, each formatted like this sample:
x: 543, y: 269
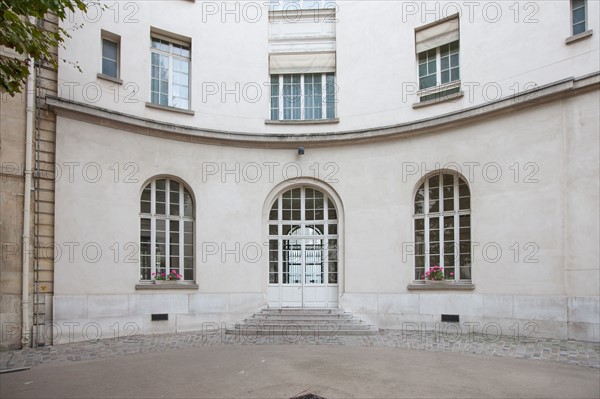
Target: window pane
x: 454, y: 74
x: 145, y: 207
x: 445, y: 63
x: 330, y: 95
x: 333, y: 229
x: 147, y: 193
x: 428, y: 81
x: 109, y: 67
x: 313, y: 96
x: 109, y: 49
x: 578, y: 28
x: 578, y: 14
x: 465, y: 220
x: 454, y: 60
x: 333, y: 278
x: 332, y: 214
x: 445, y: 77
x: 464, y: 203
x: 434, y: 195
x: 274, y: 97
x: 273, y: 215
x: 188, y: 210
x: 420, y: 224
x: 465, y: 272
x: 291, y: 96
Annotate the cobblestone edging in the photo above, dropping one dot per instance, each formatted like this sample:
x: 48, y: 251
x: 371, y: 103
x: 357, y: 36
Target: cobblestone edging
x: 577, y: 353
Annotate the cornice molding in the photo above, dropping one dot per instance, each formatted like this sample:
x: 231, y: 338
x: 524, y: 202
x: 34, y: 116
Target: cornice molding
x: 116, y: 120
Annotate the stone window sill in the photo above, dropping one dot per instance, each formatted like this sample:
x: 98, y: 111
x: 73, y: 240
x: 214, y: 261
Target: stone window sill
x: 449, y: 97
x: 302, y: 122
x: 579, y: 36
x: 109, y: 78
x: 171, y: 109
x: 423, y: 286
x: 166, y: 286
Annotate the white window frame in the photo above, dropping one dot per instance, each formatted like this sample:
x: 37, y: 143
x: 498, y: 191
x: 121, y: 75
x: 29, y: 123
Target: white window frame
x: 171, y: 56
x: 324, y: 97
x: 167, y: 217
x: 440, y: 215
x: 116, y: 39
x: 439, y: 86
x: 585, y: 18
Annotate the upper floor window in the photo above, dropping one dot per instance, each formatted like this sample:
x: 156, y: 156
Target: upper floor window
x: 170, y: 78
x: 579, y: 16
x: 438, y: 56
x: 166, y: 230
x: 442, y: 218
x: 309, y: 96
x: 439, y: 66
x: 111, y: 44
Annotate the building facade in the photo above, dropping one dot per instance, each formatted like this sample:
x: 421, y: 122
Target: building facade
x: 324, y: 155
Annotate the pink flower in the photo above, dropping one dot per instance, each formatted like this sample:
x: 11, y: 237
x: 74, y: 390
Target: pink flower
x: 423, y: 276
x: 451, y: 273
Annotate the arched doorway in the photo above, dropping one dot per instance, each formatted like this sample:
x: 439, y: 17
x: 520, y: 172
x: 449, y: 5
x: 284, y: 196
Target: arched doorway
x: 303, y: 250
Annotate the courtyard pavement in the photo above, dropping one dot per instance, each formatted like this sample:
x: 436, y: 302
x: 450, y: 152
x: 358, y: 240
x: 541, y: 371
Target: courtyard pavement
x: 388, y: 365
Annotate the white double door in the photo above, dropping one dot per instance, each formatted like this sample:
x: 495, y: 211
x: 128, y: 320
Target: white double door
x: 305, y: 274
x: 303, y: 271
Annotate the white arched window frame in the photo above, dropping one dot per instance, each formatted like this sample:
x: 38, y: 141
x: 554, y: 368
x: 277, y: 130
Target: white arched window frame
x: 442, y: 226
x: 166, y: 229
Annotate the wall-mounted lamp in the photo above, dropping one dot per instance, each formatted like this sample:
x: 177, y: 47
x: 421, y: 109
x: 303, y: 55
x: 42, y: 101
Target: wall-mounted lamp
x: 301, y: 151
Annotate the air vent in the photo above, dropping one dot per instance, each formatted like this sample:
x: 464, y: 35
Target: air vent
x: 450, y: 318
x: 160, y: 316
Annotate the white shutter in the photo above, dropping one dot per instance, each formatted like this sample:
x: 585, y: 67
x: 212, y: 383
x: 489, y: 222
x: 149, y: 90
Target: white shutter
x: 288, y: 63
x: 433, y: 36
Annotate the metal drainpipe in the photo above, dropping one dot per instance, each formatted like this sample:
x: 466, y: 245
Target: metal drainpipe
x: 30, y: 104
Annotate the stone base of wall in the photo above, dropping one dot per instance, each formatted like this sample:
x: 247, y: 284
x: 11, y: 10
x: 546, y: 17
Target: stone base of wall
x: 91, y: 317
x: 519, y: 316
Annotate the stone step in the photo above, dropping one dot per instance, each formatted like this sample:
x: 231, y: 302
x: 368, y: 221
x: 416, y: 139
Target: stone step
x: 289, y: 322
x: 291, y: 317
x: 303, y: 310
x: 372, y: 330
x: 268, y: 321
x: 311, y: 326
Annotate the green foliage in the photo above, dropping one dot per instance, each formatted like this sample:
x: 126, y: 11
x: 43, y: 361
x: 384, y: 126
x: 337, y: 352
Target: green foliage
x: 21, y: 33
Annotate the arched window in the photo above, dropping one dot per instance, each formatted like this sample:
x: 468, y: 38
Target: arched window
x: 442, y: 217
x: 166, y: 230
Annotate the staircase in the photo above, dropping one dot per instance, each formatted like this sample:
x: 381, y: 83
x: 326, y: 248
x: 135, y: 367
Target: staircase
x: 316, y: 322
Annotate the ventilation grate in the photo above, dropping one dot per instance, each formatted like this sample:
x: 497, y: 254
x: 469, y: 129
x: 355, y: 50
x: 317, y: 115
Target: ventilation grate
x: 451, y: 318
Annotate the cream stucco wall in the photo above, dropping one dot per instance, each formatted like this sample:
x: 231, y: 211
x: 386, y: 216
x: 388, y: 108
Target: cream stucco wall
x: 555, y: 212
x: 531, y: 162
